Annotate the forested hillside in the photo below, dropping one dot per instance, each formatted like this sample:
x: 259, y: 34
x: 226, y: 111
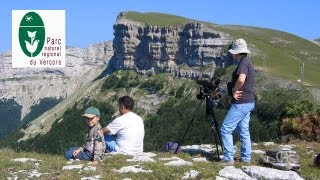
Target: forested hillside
x: 169, y: 120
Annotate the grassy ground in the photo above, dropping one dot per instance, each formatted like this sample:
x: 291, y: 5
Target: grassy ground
x: 157, y: 19
x: 51, y: 165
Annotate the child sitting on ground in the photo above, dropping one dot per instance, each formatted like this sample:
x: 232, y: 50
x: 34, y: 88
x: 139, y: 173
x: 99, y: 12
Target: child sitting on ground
x: 94, y: 147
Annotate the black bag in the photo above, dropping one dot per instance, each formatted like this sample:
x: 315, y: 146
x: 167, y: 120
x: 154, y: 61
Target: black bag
x: 171, y: 147
x: 316, y: 160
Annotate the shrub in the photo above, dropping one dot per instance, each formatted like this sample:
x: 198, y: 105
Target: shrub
x: 289, y: 126
x: 308, y: 126
x: 152, y: 86
x: 180, y: 91
x: 297, y: 108
x: 110, y: 82
x: 292, y: 114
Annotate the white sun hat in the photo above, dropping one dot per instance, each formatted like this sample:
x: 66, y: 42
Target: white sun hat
x: 239, y: 46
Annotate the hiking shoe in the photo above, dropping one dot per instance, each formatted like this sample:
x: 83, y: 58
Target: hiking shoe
x: 226, y: 163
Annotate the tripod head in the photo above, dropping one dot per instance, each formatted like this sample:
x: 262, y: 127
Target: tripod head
x: 208, y: 89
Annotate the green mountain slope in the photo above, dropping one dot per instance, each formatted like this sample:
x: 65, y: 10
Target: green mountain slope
x: 279, y: 53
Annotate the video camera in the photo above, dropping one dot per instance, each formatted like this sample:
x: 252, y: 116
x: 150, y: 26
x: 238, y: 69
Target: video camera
x: 208, y: 88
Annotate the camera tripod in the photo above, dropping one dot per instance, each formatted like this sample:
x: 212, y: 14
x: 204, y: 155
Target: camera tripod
x: 210, y: 104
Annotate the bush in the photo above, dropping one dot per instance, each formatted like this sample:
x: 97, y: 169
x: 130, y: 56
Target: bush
x: 110, y: 82
x: 292, y: 115
x: 297, y: 108
x: 306, y: 127
x: 152, y: 86
x: 180, y: 91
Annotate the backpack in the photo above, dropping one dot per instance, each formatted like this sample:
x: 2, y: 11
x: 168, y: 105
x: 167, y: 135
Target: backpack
x: 281, y: 159
x: 171, y: 147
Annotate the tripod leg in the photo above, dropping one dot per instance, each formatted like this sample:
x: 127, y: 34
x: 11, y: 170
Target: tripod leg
x: 216, y: 134
x: 192, y: 119
x: 219, y: 136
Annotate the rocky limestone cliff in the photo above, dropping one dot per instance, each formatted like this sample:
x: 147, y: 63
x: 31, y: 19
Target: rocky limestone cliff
x: 165, y: 48
x: 27, y: 86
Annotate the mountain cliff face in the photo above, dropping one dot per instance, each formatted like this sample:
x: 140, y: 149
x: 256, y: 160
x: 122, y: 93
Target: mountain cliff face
x: 163, y: 48
x: 27, y: 86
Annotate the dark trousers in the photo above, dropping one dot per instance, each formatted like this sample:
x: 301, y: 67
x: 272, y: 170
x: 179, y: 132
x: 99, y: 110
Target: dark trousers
x: 83, y: 155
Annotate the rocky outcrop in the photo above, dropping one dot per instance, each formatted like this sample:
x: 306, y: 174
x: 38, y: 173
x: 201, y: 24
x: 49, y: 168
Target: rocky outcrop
x: 165, y: 48
x: 27, y: 86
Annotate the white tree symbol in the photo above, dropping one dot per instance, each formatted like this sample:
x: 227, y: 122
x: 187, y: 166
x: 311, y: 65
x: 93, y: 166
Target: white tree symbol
x: 32, y: 47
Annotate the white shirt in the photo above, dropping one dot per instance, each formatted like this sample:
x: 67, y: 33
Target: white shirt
x: 129, y: 129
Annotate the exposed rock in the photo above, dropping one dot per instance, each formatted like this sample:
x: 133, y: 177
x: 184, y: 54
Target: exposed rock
x: 256, y: 172
x: 230, y: 172
x: 175, y: 161
x: 90, y: 168
x: 191, y: 174
x: 141, y: 159
x: 142, y: 47
x: 134, y: 169
x: 200, y: 159
x: 69, y: 167
x: 268, y: 143
x: 269, y: 173
x: 258, y: 152
x: 200, y: 149
x: 97, y: 177
x: 27, y: 86
x: 23, y: 160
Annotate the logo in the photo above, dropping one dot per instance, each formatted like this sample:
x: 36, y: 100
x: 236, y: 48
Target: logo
x: 38, y: 38
x: 31, y: 34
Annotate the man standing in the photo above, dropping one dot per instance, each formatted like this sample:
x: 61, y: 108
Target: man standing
x: 128, y: 128
x: 242, y: 104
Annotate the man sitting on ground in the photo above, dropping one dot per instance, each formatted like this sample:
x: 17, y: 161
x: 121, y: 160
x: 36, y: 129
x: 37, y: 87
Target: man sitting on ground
x: 128, y: 128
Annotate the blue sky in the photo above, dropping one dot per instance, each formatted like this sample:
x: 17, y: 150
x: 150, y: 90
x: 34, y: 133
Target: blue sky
x: 90, y: 22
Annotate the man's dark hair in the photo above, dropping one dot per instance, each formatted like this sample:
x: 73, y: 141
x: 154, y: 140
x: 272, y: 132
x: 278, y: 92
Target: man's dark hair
x: 127, y: 102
